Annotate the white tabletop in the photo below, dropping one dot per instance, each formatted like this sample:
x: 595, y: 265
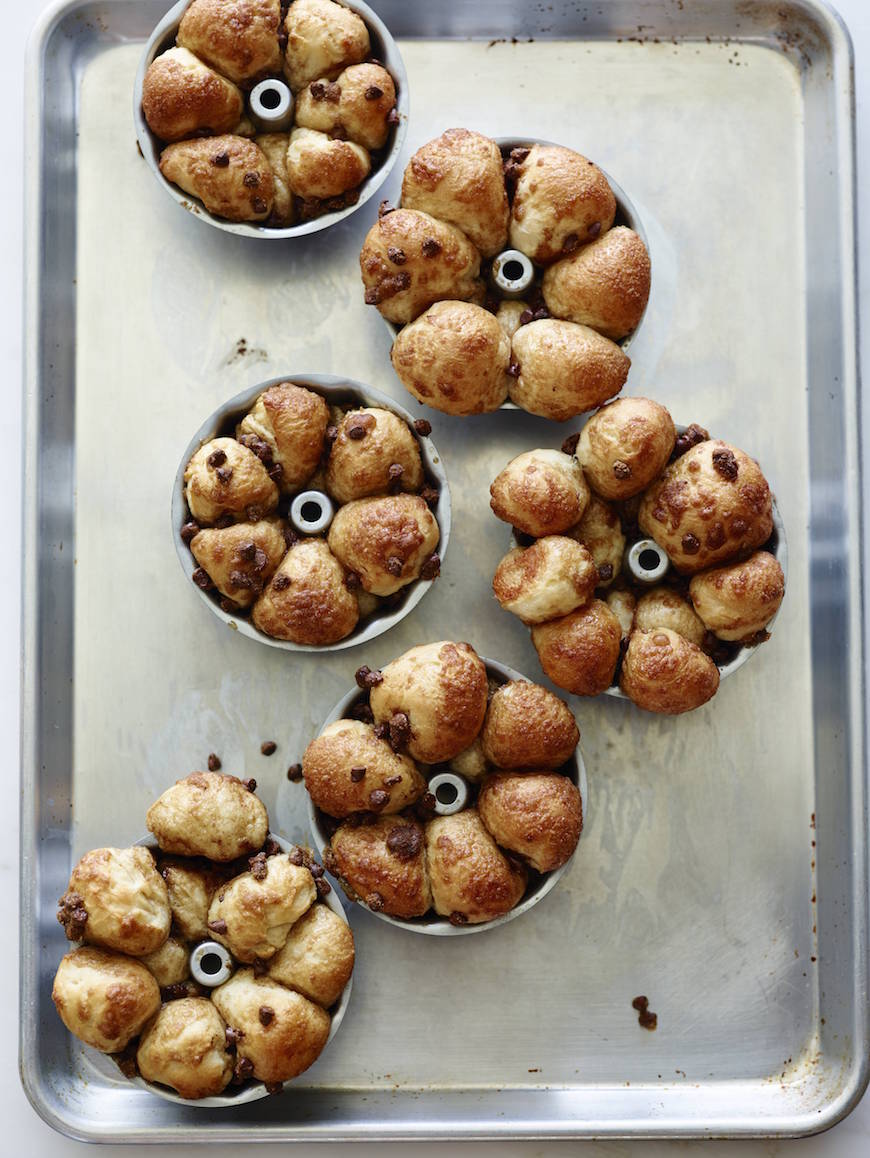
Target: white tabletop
x: 23, y: 1130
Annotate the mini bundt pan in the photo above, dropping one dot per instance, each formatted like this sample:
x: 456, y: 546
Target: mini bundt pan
x: 383, y: 47
x: 336, y: 391
x: 432, y: 924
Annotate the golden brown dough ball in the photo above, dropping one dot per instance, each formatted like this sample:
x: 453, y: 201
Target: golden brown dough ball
x: 274, y: 148
x: 663, y: 672
x: 182, y: 96
x: 319, y: 167
x: 442, y: 690
x: 358, y: 104
x: 322, y: 39
x: 348, y: 769
x: 561, y: 202
x: 373, y: 452
x: 225, y: 478
x: 548, y: 579
x: 579, y: 652
x: 241, y: 559
x: 600, y: 532
x: 307, y: 601
x: 604, y: 285
x: 384, y: 865
x: 541, y: 492
x: 527, y: 726
x: 622, y: 603
x: 664, y: 607
x: 253, y: 913
x: 386, y: 541
x: 738, y: 601
x: 170, y: 964
x: 104, y: 998
x: 208, y: 814
x: 459, y: 177
x: 625, y: 446
x: 282, y: 1032
x: 410, y: 260
x: 229, y: 174
x: 538, y: 815
x: 190, y: 887
x: 317, y: 957
x: 509, y: 313
x: 287, y: 425
x: 471, y: 762
x: 454, y: 357
x: 237, y: 37
x: 472, y: 880
x: 709, y: 506
x: 565, y: 369
x: 116, y: 898
x: 184, y: 1047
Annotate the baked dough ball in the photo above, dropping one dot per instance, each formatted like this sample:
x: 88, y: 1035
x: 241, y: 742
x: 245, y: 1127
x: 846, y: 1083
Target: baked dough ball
x: 472, y: 880
x: 371, y: 443
x: 455, y: 358
x: 623, y: 603
x: 170, y: 964
x: 282, y: 1032
x: 229, y: 174
x: 348, y: 769
x: 471, y: 762
x: 104, y: 998
x: 307, y: 601
x: 459, y: 177
x: 184, y: 1047
x: 125, y: 900
x: 526, y: 726
x: 664, y: 607
x: 384, y: 865
x: 182, y: 96
x: 237, y: 37
x: 565, y: 369
x: 663, y: 672
x: 287, y: 426
x: 225, y: 478
x: 317, y: 957
x: 257, y: 908
x: 579, y: 652
x: 738, y: 601
x: 541, y: 492
x: 546, y: 580
x: 241, y: 559
x: 322, y: 39
x: 319, y: 166
x: 208, y: 814
x: 274, y: 148
x: 358, y: 105
x: 190, y: 888
x: 385, y: 540
x: 509, y: 313
x: 600, y: 532
x: 538, y: 815
x: 561, y: 202
x: 604, y: 285
x: 442, y: 690
x: 625, y: 446
x: 410, y: 260
x: 709, y: 506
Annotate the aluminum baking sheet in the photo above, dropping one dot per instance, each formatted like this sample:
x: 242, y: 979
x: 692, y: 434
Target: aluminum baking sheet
x: 723, y: 868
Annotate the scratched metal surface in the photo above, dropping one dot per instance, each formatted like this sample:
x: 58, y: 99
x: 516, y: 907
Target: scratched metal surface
x: 696, y: 881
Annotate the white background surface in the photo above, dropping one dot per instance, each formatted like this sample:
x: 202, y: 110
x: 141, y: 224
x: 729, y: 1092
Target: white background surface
x: 22, y: 1131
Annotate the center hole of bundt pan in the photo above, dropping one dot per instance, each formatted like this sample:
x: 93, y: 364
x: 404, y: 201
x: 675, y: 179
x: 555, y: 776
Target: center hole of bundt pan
x: 446, y: 793
x: 649, y: 559
x: 512, y: 270
x: 211, y: 964
x: 270, y: 98
x: 312, y: 511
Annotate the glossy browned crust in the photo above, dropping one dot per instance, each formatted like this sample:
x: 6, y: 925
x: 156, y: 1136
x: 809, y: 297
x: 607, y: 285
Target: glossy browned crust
x: 259, y: 911
x: 184, y: 1047
x: 361, y: 118
x: 104, y: 998
x: 292, y: 421
x: 459, y: 177
x: 360, y: 467
x: 600, y: 532
x: 322, y: 39
x: 319, y: 166
x: 565, y: 369
x: 274, y: 147
x: 738, y: 601
x: 665, y: 607
x: 403, y: 289
x: 541, y: 492
x: 125, y: 899
x: 367, y: 534
x: 663, y: 672
x: 224, y: 554
x: 239, y: 188
x: 625, y: 446
x: 579, y: 652
x: 455, y: 358
x: 182, y: 96
x: 208, y: 814
x: 701, y: 516
x: 190, y: 886
x: 316, y: 607
x: 237, y: 37
x: 346, y: 745
x: 367, y: 868
x: 538, y: 815
x: 468, y: 872
x: 526, y: 726
x: 317, y: 957
x: 553, y: 576
x: 604, y: 285
x: 242, y: 489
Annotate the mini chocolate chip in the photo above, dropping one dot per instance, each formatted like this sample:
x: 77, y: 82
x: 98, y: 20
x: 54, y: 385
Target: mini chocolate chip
x: 296, y: 857
x: 254, y: 513
x: 382, y: 731
x: 257, y: 865
x: 318, y: 90
x: 358, y: 426
x: 457, y: 918
x: 331, y: 434
x: 228, y: 606
x: 621, y: 469
x: 605, y: 572
x: 526, y: 316
x: 690, y: 544
x: 221, y: 159
x: 392, y: 780
x: 252, y: 179
x: 323, y: 886
x: 594, y: 229
x: 214, y: 762
x: 216, y: 458
x: 261, y: 967
x: 691, y: 436
x: 219, y: 926
x: 333, y: 93
x: 394, y: 478
x: 394, y: 565
x: 430, y: 247
x: 268, y: 747
x: 716, y: 536
x: 404, y: 841
x: 274, y: 1087
x: 569, y: 446
x: 294, y: 773
x: 276, y: 472
x: 201, y: 579
x: 400, y: 731
x: 281, y: 582
x: 393, y: 117
x: 224, y: 473
x: 352, y: 581
x: 571, y: 243
x: 290, y: 537
x: 250, y: 784
x: 540, y: 314
x: 519, y: 154
x: 316, y: 870
x: 375, y: 902
x: 226, y: 520
x: 514, y: 369
x: 247, y: 550
x: 266, y: 1014
x: 271, y: 847
x: 431, y: 569
x: 367, y: 678
x: 189, y: 531
x: 396, y: 255
x: 243, y: 1069
x: 430, y: 496
x: 725, y: 463
x: 427, y: 801
x: 357, y: 774
x: 379, y: 799
x: 423, y: 426
x: 232, y: 1037
x: 373, y: 93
